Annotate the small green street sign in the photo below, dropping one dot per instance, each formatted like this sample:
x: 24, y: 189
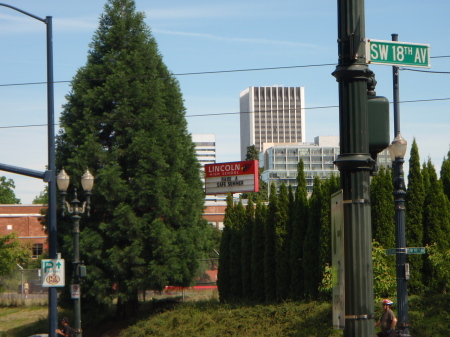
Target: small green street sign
x: 398, y: 53
x: 415, y: 250
x: 410, y: 250
x: 394, y: 251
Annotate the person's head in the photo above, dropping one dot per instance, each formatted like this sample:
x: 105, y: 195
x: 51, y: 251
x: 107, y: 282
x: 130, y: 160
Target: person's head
x: 386, y: 304
x: 65, y: 321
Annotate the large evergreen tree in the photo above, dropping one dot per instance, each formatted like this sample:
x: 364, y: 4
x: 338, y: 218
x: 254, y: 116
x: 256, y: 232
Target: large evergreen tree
x: 414, y: 201
x: 124, y: 120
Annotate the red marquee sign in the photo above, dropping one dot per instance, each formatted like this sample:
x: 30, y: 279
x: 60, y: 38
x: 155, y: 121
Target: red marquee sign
x: 235, y: 177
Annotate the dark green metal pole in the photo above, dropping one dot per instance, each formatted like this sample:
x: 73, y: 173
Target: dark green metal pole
x: 354, y: 164
x: 400, y: 244
x: 399, y: 196
x: 76, y: 271
x: 75, y: 210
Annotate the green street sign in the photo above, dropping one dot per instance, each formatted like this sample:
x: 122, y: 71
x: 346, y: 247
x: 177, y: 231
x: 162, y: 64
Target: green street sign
x: 394, y: 251
x: 415, y: 250
x: 410, y: 250
x: 398, y: 53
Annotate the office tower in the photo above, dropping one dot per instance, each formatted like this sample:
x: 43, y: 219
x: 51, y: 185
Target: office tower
x: 273, y: 114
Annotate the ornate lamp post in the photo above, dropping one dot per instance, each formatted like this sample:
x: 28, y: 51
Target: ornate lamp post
x: 76, y: 209
x: 397, y: 150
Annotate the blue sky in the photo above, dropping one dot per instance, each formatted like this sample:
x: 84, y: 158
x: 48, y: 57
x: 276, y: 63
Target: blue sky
x: 207, y: 36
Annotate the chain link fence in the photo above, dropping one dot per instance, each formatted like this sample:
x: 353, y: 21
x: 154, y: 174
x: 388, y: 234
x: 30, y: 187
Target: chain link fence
x: 24, y: 285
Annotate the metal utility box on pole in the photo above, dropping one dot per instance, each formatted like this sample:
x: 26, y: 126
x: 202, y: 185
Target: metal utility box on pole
x: 355, y: 164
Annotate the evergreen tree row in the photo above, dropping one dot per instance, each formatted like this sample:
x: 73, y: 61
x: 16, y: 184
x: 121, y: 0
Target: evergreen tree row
x: 426, y: 216
x: 282, y: 249
x: 277, y: 250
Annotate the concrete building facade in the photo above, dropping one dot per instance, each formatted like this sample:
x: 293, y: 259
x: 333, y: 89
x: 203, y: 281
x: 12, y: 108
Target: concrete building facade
x: 281, y: 161
x: 273, y: 114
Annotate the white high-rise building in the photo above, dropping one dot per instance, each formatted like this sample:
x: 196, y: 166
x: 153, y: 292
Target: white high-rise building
x: 273, y: 114
x: 205, y: 148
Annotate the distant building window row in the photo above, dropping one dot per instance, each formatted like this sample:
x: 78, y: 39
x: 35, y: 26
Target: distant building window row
x: 197, y: 144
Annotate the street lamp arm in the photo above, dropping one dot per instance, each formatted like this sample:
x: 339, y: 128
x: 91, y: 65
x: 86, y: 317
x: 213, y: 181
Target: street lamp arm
x: 68, y: 207
x: 24, y: 171
x: 74, y: 208
x: 24, y: 12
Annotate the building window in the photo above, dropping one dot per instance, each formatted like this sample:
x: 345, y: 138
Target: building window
x: 38, y: 249
x: 9, y: 227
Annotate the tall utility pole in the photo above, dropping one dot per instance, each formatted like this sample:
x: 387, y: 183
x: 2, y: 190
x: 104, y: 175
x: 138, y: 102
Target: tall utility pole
x: 355, y: 163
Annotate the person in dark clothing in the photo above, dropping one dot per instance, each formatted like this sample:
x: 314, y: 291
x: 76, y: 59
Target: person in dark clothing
x: 387, y: 320
x: 66, y: 330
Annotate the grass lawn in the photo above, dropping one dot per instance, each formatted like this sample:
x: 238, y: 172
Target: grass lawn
x: 14, y: 317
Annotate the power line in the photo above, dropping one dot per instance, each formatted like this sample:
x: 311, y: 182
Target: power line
x: 426, y: 71
x: 182, y: 74
x: 211, y: 72
x: 232, y: 113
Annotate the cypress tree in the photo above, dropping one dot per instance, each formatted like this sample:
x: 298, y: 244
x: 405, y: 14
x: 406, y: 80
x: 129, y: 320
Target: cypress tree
x: 236, y: 251
x: 414, y: 202
x: 224, y: 272
x: 246, y: 258
x: 445, y: 175
x: 311, y: 261
x: 436, y: 222
x: 382, y: 208
x: 290, y: 232
x: 270, y: 281
x: 299, y: 226
x: 258, y: 248
x: 426, y: 177
x: 125, y: 120
x: 253, y: 154
x: 281, y: 248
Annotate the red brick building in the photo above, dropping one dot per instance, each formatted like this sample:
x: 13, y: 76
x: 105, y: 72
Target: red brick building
x: 214, y: 212
x: 24, y: 221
